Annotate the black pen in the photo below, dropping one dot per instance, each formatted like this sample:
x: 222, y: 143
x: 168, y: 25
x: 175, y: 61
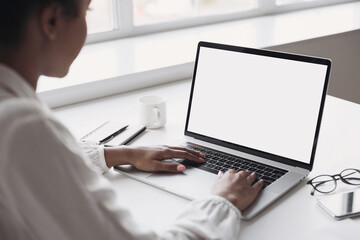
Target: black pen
x: 108, y: 138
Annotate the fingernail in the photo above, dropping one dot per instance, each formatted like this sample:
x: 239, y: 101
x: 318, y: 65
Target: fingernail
x: 181, y: 168
x: 201, y: 159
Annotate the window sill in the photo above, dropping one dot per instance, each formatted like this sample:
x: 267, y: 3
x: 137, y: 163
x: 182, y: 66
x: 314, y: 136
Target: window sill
x: 112, y: 67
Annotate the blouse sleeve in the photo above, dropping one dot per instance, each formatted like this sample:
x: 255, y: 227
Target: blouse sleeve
x: 53, y: 194
x: 94, y: 156
x: 211, y: 218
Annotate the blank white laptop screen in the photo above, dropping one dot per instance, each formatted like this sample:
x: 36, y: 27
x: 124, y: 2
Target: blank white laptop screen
x: 261, y: 102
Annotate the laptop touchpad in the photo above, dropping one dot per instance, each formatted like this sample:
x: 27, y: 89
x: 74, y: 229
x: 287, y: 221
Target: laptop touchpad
x: 192, y: 184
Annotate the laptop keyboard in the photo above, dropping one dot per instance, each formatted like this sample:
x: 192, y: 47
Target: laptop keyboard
x: 216, y: 161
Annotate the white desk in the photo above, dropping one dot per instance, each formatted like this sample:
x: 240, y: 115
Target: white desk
x: 295, y: 214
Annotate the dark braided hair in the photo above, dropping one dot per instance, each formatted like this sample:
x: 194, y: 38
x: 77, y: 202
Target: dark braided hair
x: 14, y: 14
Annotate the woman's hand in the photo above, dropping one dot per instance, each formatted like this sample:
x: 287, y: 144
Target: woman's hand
x: 150, y: 158
x: 239, y: 188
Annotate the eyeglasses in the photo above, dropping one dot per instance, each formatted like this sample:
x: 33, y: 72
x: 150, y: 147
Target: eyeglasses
x: 328, y: 183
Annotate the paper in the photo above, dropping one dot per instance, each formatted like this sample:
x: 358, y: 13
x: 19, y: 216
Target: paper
x: 108, y: 128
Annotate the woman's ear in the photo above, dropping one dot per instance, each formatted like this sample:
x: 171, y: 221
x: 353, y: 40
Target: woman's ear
x: 50, y: 21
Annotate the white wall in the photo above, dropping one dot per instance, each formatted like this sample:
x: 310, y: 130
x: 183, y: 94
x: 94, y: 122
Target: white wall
x: 344, y: 51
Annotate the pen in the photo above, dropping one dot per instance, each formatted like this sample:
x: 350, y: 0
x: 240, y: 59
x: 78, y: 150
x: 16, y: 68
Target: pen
x: 134, y: 136
x: 128, y: 139
x: 111, y: 136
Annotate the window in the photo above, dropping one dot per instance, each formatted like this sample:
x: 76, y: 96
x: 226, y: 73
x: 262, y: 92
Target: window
x: 101, y: 16
x: 285, y: 2
x: 129, y: 63
x: 111, y: 19
x: 153, y: 11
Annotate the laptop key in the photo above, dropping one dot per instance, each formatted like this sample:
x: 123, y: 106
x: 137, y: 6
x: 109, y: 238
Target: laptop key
x: 227, y: 166
x: 279, y: 172
x: 209, y: 169
x: 270, y: 179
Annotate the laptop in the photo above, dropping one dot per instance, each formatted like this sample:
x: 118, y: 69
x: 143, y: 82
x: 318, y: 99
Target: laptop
x: 249, y: 109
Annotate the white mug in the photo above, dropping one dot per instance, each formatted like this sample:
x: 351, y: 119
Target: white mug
x: 152, y: 111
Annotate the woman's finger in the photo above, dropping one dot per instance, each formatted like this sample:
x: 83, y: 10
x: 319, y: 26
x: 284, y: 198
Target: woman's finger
x: 243, y: 174
x: 258, y: 185
x: 231, y: 171
x: 173, y: 153
x: 251, y: 178
x: 168, y: 167
x: 187, y: 150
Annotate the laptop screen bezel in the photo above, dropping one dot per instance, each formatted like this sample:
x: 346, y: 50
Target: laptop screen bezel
x: 268, y: 53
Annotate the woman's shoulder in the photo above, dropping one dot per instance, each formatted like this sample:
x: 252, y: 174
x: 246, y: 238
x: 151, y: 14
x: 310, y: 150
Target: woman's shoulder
x: 22, y: 107
x: 21, y: 118
x: 16, y: 111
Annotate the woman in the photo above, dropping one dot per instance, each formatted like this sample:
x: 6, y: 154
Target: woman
x: 48, y: 186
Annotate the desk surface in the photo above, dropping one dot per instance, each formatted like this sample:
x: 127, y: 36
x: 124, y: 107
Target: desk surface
x: 295, y: 214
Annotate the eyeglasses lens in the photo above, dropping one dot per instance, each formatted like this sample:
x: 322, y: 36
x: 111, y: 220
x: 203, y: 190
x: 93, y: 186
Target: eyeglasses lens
x: 324, y: 183
x: 351, y: 176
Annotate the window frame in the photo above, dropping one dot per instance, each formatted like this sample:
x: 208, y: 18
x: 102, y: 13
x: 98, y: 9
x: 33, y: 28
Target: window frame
x: 124, y: 21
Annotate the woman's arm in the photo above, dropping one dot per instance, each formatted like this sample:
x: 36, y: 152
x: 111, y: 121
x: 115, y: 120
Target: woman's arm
x: 149, y: 158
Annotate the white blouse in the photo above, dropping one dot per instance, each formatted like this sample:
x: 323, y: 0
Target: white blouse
x: 51, y: 188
